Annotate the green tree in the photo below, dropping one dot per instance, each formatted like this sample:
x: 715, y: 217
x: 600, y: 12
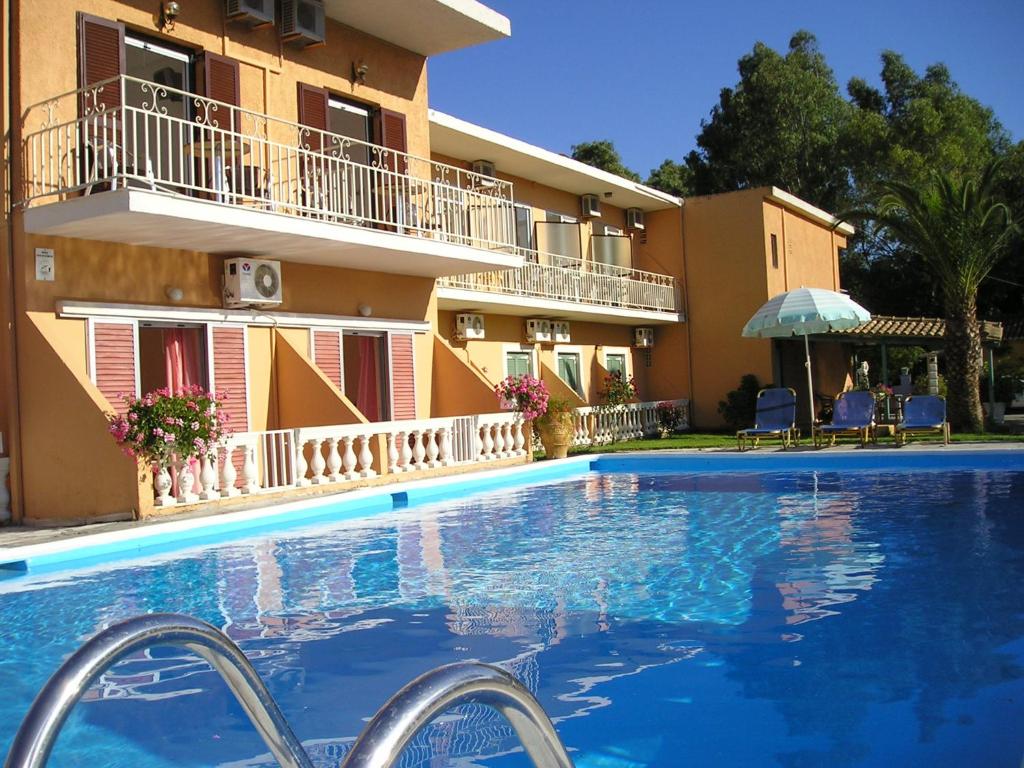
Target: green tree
x: 782, y: 124
x: 959, y: 229
x: 671, y: 177
x: 603, y: 155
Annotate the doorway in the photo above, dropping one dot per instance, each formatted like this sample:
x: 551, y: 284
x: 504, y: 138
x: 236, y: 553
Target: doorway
x: 365, y: 375
x: 172, y: 356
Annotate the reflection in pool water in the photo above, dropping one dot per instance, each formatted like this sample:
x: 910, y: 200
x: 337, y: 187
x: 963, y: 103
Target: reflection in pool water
x: 662, y: 620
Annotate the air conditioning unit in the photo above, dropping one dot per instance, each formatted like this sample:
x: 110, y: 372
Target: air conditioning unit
x: 560, y: 329
x: 255, y: 13
x: 538, y: 330
x: 483, y: 168
x: 634, y: 218
x: 590, y: 206
x: 644, y: 337
x: 469, y: 327
x: 251, y: 282
x: 302, y: 22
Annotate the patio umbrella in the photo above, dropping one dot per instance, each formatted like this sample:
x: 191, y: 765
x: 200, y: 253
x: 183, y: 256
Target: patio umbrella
x: 804, y: 311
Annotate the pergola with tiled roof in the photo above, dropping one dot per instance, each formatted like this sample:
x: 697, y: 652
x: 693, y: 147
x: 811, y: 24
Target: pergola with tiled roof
x: 918, y: 331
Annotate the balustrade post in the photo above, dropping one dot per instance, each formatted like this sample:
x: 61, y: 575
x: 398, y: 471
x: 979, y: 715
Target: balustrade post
x: 348, y: 460
x: 186, y: 483
x: 162, y: 487
x: 519, y: 440
x: 430, y: 437
x: 208, y: 478
x: 301, y: 467
x: 333, y: 460
x: 366, y: 457
x: 393, y: 467
x: 317, y: 465
x: 250, y: 474
x: 406, y: 452
x: 478, y: 443
x: 444, y: 439
x: 418, y: 452
x: 228, y: 474
x: 488, y: 442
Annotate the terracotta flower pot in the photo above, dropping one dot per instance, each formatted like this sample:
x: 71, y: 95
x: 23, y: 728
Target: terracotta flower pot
x: 556, y: 434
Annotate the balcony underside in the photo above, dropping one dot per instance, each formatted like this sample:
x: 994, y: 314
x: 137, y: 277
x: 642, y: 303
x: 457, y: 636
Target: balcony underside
x: 507, y: 304
x: 163, y: 220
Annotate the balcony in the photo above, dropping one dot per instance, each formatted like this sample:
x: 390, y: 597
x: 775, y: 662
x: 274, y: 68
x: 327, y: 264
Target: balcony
x: 573, y: 288
x: 130, y: 161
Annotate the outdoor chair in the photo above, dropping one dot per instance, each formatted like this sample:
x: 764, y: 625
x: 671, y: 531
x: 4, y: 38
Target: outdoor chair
x: 776, y: 416
x: 923, y: 415
x: 853, y: 413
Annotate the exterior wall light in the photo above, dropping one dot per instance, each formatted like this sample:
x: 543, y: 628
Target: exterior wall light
x: 359, y: 72
x: 169, y: 12
x: 174, y: 293
x: 365, y: 310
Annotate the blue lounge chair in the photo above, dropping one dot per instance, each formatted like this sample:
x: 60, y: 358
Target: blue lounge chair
x: 922, y: 415
x: 776, y: 416
x: 853, y: 413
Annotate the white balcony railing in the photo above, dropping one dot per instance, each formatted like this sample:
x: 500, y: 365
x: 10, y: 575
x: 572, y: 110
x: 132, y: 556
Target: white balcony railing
x: 277, y: 460
x: 600, y: 425
x: 549, y: 276
x: 126, y: 132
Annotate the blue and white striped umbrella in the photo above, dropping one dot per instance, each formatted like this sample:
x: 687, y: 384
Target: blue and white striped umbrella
x: 804, y: 311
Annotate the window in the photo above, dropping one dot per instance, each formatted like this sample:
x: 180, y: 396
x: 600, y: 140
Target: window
x: 569, y: 370
x: 559, y: 218
x: 775, y: 252
x: 616, y: 363
x: 519, y: 363
x: 353, y: 121
x: 524, y: 226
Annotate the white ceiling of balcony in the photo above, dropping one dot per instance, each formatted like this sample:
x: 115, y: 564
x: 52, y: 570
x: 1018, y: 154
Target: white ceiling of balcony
x: 461, y: 140
x: 154, y: 219
x: 427, y: 27
x: 462, y: 300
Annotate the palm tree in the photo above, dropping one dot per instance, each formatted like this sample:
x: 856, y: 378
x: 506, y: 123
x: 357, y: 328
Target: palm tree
x: 960, y: 231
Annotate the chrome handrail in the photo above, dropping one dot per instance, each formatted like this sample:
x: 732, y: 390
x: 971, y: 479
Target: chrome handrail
x: 411, y: 709
x: 403, y: 716
x: 41, y: 726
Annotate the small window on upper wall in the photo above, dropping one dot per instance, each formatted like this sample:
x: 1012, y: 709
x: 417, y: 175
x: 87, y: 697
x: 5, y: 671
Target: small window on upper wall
x: 775, y: 252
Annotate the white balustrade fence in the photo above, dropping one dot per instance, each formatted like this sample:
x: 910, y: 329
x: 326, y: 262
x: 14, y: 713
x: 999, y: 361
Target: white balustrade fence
x: 600, y: 425
x: 128, y: 132
x: 257, y: 462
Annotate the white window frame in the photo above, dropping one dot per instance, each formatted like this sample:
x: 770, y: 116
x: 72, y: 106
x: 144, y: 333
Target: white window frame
x: 626, y: 351
x: 146, y: 45
x: 572, y: 349
x: 531, y: 348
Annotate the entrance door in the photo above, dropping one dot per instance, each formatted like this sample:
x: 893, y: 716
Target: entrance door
x: 172, y: 357
x: 347, y: 120
x: 366, y: 378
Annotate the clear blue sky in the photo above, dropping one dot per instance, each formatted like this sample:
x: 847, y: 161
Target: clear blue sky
x: 644, y: 73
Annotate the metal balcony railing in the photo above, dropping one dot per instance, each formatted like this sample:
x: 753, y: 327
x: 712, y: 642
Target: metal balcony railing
x: 126, y: 132
x: 550, y: 276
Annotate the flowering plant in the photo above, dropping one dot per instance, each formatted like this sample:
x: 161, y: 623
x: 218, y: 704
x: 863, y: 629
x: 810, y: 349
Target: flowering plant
x: 527, y: 396
x: 670, y: 416
x: 556, y: 411
x: 618, y: 390
x: 881, y: 391
x: 154, y: 427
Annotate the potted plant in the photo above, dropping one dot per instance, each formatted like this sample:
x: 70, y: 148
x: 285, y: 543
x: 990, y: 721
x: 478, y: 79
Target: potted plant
x: 524, y: 394
x: 161, y: 429
x: 556, y: 428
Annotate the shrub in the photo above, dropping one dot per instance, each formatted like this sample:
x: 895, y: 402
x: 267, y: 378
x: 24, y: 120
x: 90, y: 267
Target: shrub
x: 527, y: 395
x: 159, y: 425
x: 617, y: 390
x: 670, y: 416
x: 740, y: 405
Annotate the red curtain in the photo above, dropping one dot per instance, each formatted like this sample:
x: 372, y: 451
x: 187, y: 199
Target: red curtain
x: 181, y: 357
x: 368, y: 399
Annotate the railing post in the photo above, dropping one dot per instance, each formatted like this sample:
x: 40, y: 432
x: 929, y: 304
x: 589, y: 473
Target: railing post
x: 366, y: 457
x: 301, y: 467
x: 208, y: 478
x: 333, y: 460
x: 317, y: 465
x: 349, y: 459
x: 228, y: 474
x: 250, y: 475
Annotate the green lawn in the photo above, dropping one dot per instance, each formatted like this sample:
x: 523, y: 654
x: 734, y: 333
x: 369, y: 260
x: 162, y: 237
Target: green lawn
x: 698, y: 440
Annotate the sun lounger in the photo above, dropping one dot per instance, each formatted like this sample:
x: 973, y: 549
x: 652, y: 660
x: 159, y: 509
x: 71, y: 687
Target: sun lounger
x: 923, y: 415
x: 853, y: 413
x: 775, y: 417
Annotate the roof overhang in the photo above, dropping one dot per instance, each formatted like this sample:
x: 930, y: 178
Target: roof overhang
x: 459, y: 139
x: 527, y: 306
x: 426, y: 27
x: 794, y: 203
x: 160, y: 220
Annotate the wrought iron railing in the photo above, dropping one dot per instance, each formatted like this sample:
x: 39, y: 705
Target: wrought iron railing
x: 126, y: 132
x: 550, y: 276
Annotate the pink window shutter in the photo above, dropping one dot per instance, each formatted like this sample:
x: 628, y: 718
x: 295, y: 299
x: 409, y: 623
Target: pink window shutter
x: 327, y: 355
x: 403, y: 377
x: 115, y: 364
x: 228, y: 346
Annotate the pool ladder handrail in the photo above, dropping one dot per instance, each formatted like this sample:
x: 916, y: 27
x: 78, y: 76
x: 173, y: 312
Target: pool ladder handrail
x: 396, y: 723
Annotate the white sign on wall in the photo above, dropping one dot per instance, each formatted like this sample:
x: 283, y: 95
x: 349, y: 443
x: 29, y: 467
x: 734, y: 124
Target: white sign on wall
x: 44, y: 264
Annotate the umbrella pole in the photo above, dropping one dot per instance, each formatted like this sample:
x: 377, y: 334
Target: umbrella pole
x: 810, y: 384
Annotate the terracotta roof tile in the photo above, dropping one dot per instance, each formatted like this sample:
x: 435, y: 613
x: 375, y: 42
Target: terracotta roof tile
x: 911, y: 328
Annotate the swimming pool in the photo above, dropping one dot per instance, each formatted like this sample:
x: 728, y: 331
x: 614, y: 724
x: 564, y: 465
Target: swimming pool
x: 785, y: 617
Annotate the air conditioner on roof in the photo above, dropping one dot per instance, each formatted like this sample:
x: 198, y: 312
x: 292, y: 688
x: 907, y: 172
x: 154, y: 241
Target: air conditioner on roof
x: 634, y: 218
x: 590, y: 206
x: 302, y: 22
x: 469, y: 326
x: 644, y: 338
x: 538, y: 330
x: 560, y: 330
x: 255, y: 13
x: 251, y: 283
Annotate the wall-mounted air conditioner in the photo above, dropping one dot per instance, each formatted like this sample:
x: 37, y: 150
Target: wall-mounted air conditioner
x: 634, y: 218
x: 590, y: 206
x: 255, y: 13
x: 469, y: 326
x: 538, y: 330
x: 251, y: 282
x: 302, y: 22
x: 483, y: 168
x: 644, y: 337
x: 560, y: 330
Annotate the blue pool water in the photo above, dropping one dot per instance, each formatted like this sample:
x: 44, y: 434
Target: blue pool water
x: 779, y: 619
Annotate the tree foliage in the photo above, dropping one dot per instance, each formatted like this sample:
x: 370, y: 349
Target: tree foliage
x: 603, y: 155
x: 673, y: 178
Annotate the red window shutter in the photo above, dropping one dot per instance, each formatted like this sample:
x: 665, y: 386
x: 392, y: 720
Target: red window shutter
x: 390, y: 129
x: 228, y: 346
x: 221, y: 83
x: 403, y: 377
x: 100, y: 57
x: 313, y: 113
x: 114, y: 363
x: 327, y: 355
